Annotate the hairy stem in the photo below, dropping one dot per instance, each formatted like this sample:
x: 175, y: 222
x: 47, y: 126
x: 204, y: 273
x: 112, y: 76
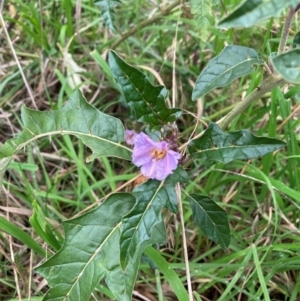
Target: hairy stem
x: 285, y: 30
x: 268, y: 84
x: 145, y: 23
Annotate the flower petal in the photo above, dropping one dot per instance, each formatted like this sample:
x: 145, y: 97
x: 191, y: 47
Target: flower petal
x: 130, y: 137
x: 143, y: 147
x: 149, y: 169
x: 156, y: 160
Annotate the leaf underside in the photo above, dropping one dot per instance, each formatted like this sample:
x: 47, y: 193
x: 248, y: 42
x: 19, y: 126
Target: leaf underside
x: 225, y: 147
x: 253, y: 11
x: 148, y: 101
x: 233, y: 62
x: 288, y: 65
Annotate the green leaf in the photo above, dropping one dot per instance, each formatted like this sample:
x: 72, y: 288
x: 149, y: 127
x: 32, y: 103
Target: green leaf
x: 21, y: 235
x: 108, y: 13
x: 202, y: 11
x: 100, y: 132
x: 42, y: 227
x: 211, y: 219
x: 288, y: 65
x: 168, y: 272
x: 21, y: 166
x: 296, y: 40
x: 140, y: 225
x: 233, y: 62
x: 225, y: 147
x: 148, y: 101
x: 90, y: 253
x: 253, y: 11
x: 181, y: 176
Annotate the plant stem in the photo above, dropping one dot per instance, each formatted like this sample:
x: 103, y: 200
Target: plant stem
x: 145, y: 23
x: 285, y: 30
x: 185, y: 250
x: 10, y: 43
x: 158, y: 285
x: 268, y: 84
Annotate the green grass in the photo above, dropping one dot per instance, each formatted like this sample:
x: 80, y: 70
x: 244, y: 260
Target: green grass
x: 261, y: 196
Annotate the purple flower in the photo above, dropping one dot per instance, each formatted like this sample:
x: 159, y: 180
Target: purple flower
x: 130, y: 136
x: 157, y: 161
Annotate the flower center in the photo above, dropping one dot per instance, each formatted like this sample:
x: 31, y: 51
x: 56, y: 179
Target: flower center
x: 157, y: 154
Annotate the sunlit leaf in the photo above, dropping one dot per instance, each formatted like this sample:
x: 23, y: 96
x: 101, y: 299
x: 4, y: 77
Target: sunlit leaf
x: 90, y: 253
x: 102, y: 133
x: 288, y: 65
x: 169, y: 274
x: 15, y: 231
x: 140, y: 226
x: 148, y: 101
x: 253, y: 11
x: 211, y: 219
x: 225, y: 147
x: 202, y: 11
x: 42, y: 227
x: 181, y: 176
x: 233, y: 62
x: 107, y: 11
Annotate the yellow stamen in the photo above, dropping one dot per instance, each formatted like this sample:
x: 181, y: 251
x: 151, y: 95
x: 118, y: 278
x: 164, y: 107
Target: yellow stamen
x: 158, y: 155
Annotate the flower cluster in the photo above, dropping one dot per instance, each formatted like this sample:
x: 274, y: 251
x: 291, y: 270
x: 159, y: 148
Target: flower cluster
x: 156, y: 160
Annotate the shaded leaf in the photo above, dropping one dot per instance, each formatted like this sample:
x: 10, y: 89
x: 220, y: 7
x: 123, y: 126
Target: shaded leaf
x: 253, y: 11
x: 211, y: 219
x: 139, y: 228
x: 288, y: 65
x: 100, y: 132
x: 90, y: 253
x: 108, y: 13
x: 148, y: 101
x: 225, y: 147
x: 233, y: 62
x: 296, y: 40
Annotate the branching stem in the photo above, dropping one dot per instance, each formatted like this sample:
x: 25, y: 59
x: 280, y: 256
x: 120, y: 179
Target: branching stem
x: 268, y: 84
